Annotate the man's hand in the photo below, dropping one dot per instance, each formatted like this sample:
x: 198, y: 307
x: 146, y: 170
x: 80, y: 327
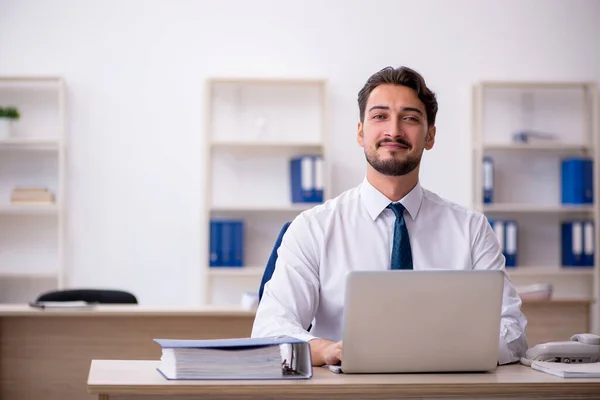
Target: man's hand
x: 325, y: 352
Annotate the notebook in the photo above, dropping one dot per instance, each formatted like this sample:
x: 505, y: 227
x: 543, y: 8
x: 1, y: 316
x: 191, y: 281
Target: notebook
x: 61, y: 304
x: 277, y: 357
x: 565, y: 370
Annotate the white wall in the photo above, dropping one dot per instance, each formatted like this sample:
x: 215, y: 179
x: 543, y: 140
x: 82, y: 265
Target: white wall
x: 135, y: 72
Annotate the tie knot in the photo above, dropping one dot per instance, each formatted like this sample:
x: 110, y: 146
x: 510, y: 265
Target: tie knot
x: 397, y: 208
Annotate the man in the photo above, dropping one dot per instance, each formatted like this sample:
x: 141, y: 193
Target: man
x: 388, y: 221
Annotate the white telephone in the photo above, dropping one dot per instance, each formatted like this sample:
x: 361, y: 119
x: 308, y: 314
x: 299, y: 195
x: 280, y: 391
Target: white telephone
x: 581, y: 348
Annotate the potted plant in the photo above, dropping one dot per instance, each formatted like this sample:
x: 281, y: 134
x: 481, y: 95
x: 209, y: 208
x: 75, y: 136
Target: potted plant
x: 7, y: 116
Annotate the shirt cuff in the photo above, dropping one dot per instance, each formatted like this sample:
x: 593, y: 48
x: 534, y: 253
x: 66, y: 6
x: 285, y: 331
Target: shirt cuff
x: 302, y: 336
x: 505, y: 356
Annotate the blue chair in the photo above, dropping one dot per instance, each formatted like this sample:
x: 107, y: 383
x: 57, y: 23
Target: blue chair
x: 270, y: 268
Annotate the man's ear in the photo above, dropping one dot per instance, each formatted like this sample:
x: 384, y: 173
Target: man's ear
x: 430, y: 138
x: 360, y: 134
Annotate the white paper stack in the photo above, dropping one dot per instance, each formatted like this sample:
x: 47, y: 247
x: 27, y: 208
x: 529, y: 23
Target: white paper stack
x: 565, y: 370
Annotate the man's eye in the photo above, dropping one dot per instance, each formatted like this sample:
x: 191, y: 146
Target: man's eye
x: 378, y: 116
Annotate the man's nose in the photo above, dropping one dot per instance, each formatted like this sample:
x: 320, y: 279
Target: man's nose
x: 394, y: 130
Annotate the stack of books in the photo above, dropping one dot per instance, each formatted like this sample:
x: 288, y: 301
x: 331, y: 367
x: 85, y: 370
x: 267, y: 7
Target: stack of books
x: 22, y: 195
x: 277, y: 357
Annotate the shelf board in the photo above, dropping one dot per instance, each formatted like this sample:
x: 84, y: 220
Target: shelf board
x: 536, y: 84
x: 264, y: 209
x: 29, y: 143
x: 265, y: 143
x: 538, y: 146
x: 251, y: 271
x: 549, y: 271
x: 28, y: 79
x: 267, y: 148
x: 30, y: 275
x: 28, y: 209
x: 266, y: 81
x: 535, y: 208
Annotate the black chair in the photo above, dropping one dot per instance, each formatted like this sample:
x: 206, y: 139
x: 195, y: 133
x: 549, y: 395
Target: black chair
x: 101, y: 296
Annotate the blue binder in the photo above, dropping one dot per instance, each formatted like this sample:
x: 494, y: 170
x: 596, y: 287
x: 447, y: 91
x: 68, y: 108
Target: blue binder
x: 577, y: 181
x: 238, y: 243
x: 589, y: 244
x: 318, y: 179
x: 306, y: 179
x: 510, y: 250
x: 276, y: 357
x: 507, y: 234
x: 301, y: 172
x: 226, y: 243
x: 488, y: 180
x: 215, y: 244
x: 572, y: 244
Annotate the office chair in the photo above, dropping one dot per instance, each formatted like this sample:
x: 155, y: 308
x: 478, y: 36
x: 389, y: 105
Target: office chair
x: 101, y: 296
x: 270, y: 268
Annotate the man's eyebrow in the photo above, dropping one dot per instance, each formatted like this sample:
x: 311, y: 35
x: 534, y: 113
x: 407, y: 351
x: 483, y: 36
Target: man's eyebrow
x: 403, y: 109
x: 379, y: 108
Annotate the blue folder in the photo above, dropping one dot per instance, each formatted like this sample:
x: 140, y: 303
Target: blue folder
x: 226, y: 243
x: 577, y: 181
x: 572, y: 244
x: 589, y: 243
x: 507, y: 235
x: 306, y: 179
x: 488, y: 180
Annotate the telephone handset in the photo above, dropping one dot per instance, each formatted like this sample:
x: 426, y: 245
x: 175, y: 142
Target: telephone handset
x: 580, y: 348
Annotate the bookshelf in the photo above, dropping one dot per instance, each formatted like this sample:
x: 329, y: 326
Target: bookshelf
x: 527, y: 176
x: 254, y: 126
x: 33, y: 155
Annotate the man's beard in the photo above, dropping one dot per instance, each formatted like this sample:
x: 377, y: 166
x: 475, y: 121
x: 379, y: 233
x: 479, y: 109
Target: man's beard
x: 392, y: 166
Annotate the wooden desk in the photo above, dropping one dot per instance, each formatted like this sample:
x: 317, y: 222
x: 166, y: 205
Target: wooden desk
x: 129, y: 380
x: 46, y: 354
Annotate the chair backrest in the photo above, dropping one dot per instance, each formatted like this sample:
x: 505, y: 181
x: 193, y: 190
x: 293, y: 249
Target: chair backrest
x: 268, y: 273
x: 270, y: 268
x: 102, y: 296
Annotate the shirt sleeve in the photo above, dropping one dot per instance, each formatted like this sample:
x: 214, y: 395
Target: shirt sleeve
x: 487, y: 254
x: 290, y: 298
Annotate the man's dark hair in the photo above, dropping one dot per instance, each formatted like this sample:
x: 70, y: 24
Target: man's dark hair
x: 400, y: 76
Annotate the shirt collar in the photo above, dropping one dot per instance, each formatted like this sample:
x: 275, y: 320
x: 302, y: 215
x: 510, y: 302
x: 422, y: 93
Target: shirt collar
x: 375, y: 201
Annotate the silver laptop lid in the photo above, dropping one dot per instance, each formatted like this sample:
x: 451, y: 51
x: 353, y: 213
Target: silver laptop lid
x: 422, y: 321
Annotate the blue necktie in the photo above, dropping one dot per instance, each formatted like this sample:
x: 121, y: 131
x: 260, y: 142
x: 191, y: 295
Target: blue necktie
x: 401, y: 252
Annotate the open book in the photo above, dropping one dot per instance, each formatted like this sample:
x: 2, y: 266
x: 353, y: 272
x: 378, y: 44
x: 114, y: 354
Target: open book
x: 567, y: 370
x: 279, y: 357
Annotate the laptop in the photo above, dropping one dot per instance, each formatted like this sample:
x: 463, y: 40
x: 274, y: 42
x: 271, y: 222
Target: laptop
x: 421, y: 321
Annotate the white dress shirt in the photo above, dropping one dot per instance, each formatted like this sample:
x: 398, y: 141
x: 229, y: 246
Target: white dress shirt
x: 354, y: 231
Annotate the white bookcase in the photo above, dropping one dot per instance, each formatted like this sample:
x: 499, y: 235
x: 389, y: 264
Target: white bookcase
x: 253, y: 128
x: 32, y: 235
x: 527, y: 176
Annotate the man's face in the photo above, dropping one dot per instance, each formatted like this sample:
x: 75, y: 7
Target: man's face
x: 395, y: 130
